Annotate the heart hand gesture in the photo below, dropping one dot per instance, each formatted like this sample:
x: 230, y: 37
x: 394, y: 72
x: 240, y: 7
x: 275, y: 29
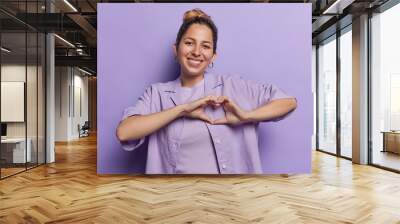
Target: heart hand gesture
x: 195, y: 109
x: 234, y: 115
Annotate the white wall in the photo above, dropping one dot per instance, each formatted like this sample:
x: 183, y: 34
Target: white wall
x: 62, y: 78
x: 15, y: 72
x: 79, y: 112
x: 71, y: 93
x: 33, y: 127
x: 9, y: 73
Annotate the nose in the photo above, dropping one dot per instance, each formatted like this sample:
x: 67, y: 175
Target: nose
x: 196, y: 50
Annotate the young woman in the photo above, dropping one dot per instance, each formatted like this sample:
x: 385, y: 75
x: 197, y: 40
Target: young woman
x: 202, y: 123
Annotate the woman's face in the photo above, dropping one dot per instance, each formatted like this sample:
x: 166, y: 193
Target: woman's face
x: 195, y: 50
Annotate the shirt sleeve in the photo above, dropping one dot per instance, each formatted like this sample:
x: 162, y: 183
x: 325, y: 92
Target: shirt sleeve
x: 142, y: 107
x: 262, y: 93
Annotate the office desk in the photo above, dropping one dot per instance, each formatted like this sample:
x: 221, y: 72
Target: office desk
x: 13, y: 150
x: 391, y: 141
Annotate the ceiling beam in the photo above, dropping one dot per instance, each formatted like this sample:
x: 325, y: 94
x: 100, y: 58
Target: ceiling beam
x: 85, y: 61
x: 86, y: 26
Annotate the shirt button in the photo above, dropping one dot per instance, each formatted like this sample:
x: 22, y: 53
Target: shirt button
x: 217, y: 141
x: 223, y: 166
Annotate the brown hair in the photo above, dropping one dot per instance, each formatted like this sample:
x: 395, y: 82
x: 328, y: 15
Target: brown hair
x: 195, y: 13
x: 197, y: 16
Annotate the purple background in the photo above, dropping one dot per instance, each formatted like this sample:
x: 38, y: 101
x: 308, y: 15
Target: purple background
x: 270, y: 43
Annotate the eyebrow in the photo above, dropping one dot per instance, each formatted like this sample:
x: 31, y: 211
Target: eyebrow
x: 208, y: 42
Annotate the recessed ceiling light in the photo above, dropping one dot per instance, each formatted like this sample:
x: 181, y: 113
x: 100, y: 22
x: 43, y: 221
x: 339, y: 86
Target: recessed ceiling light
x: 5, y: 50
x: 337, y: 7
x: 64, y: 40
x: 70, y: 5
x: 86, y: 72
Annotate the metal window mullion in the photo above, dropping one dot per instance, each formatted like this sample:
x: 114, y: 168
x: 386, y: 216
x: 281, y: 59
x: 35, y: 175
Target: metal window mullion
x: 317, y: 96
x: 26, y: 87
x: 45, y: 95
x: 47, y: 6
x: 369, y: 91
x: 338, y: 98
x: 37, y: 91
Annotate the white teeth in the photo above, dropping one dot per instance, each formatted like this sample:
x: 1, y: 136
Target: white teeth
x: 194, y: 61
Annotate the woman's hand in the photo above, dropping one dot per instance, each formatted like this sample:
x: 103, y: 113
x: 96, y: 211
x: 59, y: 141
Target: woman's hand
x: 234, y: 115
x: 195, y: 109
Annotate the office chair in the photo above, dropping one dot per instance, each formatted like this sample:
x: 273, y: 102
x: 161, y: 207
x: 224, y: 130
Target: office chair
x: 84, y: 130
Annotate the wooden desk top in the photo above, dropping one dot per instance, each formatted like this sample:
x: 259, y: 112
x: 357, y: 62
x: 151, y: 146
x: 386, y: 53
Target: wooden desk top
x: 391, y: 132
x: 13, y: 140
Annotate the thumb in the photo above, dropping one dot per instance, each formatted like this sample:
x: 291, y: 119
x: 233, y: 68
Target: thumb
x: 205, y: 118
x: 232, y: 107
x: 221, y: 121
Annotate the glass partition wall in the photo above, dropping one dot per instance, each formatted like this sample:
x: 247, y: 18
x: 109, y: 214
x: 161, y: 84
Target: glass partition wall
x: 345, y: 62
x: 22, y: 88
x: 326, y: 59
x: 334, y: 104
x: 334, y: 94
x: 385, y: 89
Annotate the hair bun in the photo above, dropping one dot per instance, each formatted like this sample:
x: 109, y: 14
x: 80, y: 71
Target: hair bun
x: 193, y: 13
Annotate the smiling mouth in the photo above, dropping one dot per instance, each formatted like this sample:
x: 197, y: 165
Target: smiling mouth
x: 194, y: 62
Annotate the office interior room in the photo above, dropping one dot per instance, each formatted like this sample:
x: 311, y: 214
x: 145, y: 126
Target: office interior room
x: 49, y: 124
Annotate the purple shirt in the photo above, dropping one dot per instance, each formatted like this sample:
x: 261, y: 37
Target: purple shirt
x: 236, y: 147
x: 196, y: 140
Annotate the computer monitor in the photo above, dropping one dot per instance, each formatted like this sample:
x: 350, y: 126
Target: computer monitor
x: 3, y: 129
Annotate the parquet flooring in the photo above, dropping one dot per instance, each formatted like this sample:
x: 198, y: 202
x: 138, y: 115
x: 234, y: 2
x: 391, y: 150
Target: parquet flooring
x: 10, y: 171
x: 70, y: 191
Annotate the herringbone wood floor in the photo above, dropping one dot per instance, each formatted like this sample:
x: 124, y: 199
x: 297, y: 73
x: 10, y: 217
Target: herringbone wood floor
x: 70, y: 191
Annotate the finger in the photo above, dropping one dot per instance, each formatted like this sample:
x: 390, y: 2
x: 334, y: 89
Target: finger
x: 197, y: 103
x: 202, y: 102
x: 223, y: 99
x: 215, y: 101
x: 234, y: 109
x: 221, y: 121
x: 205, y: 118
x: 231, y: 104
x: 228, y: 105
x: 215, y: 104
x: 220, y: 99
x: 210, y: 100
